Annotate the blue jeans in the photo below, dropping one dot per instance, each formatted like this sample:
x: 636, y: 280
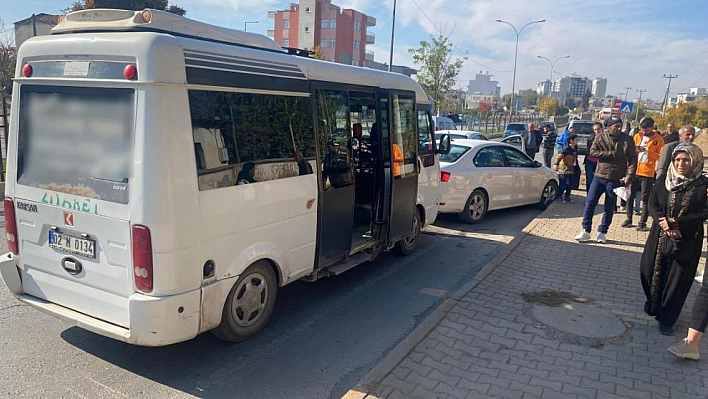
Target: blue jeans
x: 565, y: 186
x: 598, y: 187
x: 559, y: 149
x: 590, y: 168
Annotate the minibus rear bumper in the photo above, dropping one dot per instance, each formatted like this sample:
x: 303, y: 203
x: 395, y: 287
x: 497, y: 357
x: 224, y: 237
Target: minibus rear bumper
x: 154, y: 321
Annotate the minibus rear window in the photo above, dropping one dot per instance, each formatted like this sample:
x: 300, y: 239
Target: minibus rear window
x: 77, y: 140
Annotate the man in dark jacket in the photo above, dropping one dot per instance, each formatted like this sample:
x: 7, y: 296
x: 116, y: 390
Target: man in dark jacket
x: 686, y: 135
x: 549, y: 144
x: 616, y: 166
x: 531, y: 140
x: 670, y: 135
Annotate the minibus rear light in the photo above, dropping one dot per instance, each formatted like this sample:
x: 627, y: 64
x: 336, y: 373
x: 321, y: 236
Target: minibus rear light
x: 11, y: 226
x: 142, y: 258
x: 27, y: 70
x: 445, y: 176
x: 130, y: 71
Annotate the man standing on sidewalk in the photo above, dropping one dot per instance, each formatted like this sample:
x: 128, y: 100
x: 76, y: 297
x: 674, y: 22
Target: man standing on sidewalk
x: 549, y: 144
x: 531, y: 141
x: 670, y: 135
x: 649, y: 144
x: 617, y: 163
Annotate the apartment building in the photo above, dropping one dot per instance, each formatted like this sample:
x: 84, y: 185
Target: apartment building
x: 340, y: 33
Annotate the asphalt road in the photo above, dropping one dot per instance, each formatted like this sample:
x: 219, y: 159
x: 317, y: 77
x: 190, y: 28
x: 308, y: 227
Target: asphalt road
x: 322, y: 339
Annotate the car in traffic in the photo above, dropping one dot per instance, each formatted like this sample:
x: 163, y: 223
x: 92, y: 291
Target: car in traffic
x: 515, y: 128
x: 480, y: 176
x: 584, y: 130
x: 460, y: 134
x: 444, y: 123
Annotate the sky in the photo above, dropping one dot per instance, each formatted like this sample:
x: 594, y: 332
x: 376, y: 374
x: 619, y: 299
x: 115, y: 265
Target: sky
x: 632, y: 43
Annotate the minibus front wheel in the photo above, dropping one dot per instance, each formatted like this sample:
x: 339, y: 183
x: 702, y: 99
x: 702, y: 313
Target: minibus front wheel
x: 249, y: 303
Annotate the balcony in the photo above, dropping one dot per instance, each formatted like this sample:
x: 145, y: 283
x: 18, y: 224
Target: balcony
x: 370, y: 38
x: 369, y: 55
x: 370, y: 21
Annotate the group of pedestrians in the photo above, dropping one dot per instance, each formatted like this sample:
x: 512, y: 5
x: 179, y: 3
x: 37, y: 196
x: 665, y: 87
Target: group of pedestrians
x: 666, y: 170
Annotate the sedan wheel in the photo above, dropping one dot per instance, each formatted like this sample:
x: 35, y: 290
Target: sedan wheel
x: 550, y: 191
x: 475, y: 208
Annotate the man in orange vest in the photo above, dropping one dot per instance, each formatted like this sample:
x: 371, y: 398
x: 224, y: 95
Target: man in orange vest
x: 649, y: 144
x: 397, y: 158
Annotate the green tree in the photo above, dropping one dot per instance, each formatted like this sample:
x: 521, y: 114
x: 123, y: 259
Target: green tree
x: 506, y: 101
x: 8, y: 59
x: 550, y: 106
x: 695, y: 114
x: 529, y: 98
x: 438, y: 71
x: 585, y: 103
x: 136, y: 5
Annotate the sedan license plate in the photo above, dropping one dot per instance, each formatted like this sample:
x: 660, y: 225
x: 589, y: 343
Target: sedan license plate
x: 72, y: 245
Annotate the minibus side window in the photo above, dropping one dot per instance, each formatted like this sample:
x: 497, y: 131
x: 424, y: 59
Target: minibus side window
x: 244, y: 138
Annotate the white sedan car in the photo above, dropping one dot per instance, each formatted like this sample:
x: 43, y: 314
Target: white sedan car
x: 480, y: 176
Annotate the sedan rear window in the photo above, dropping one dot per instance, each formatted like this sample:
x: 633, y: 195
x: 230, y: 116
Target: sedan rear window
x: 456, y: 152
x: 583, y: 128
x: 515, y: 126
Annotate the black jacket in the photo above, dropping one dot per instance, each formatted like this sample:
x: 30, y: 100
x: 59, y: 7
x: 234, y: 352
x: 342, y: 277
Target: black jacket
x: 617, y: 156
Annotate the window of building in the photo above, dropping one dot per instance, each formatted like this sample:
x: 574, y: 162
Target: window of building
x: 332, y: 43
x: 286, y: 24
x: 307, y: 29
x: 333, y: 23
x: 286, y: 42
x: 323, y: 43
x: 356, y: 45
x: 357, y: 25
x: 307, y: 9
x: 325, y: 23
x: 236, y: 132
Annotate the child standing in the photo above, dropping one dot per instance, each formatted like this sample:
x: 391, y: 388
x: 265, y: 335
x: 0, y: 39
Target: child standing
x: 565, y: 166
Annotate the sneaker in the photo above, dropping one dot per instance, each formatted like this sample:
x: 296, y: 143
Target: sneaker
x: 627, y: 223
x: 642, y: 227
x: 699, y: 278
x: 665, y: 329
x: 637, y: 212
x: 559, y: 199
x: 685, y: 350
x: 601, y: 238
x: 584, y: 236
x: 622, y: 208
x: 567, y: 200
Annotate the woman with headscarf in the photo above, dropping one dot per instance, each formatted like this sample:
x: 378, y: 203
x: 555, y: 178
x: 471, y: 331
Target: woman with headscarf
x: 673, y: 248
x: 247, y: 173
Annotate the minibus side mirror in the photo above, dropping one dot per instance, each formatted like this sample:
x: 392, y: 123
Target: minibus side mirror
x: 444, y: 145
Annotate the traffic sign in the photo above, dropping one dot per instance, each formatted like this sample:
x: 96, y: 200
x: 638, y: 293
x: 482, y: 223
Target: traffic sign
x: 626, y: 107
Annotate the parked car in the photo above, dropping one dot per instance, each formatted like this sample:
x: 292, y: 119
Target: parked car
x: 515, y: 128
x: 444, y: 123
x: 514, y: 140
x: 479, y: 176
x: 461, y: 134
x: 584, y: 130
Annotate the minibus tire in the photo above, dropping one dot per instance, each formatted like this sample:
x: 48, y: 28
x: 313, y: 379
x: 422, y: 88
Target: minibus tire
x: 407, y: 245
x: 233, y: 328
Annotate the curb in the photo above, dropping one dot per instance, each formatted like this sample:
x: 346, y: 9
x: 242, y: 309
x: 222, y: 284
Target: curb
x: 403, y: 348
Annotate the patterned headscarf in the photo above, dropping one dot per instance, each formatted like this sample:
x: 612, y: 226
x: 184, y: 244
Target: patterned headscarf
x: 675, y: 181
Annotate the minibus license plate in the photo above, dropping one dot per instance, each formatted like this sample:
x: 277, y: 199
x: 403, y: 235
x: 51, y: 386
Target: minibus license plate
x: 72, y: 245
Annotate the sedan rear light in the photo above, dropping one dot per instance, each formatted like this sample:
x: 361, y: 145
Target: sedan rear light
x: 142, y: 258
x: 11, y: 226
x: 444, y: 176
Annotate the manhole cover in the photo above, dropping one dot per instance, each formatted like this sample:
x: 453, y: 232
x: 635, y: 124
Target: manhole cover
x: 580, y: 319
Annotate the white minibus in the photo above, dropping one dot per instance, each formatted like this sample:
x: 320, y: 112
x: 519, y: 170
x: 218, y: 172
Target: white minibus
x: 165, y: 177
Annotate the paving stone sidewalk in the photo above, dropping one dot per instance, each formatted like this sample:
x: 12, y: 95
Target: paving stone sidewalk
x: 490, y: 344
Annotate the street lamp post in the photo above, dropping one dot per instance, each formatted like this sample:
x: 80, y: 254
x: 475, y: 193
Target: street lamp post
x: 553, y: 65
x: 516, y: 51
x: 245, y: 25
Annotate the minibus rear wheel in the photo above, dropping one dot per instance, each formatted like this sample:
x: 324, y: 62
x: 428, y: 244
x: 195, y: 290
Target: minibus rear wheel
x: 249, y: 303
x: 407, y: 245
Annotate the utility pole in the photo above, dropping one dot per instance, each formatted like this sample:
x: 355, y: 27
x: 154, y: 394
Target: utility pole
x: 639, y: 103
x: 393, y: 30
x: 627, y: 89
x: 666, y: 96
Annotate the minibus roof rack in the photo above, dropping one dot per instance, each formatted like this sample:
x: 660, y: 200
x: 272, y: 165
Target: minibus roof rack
x: 106, y: 20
